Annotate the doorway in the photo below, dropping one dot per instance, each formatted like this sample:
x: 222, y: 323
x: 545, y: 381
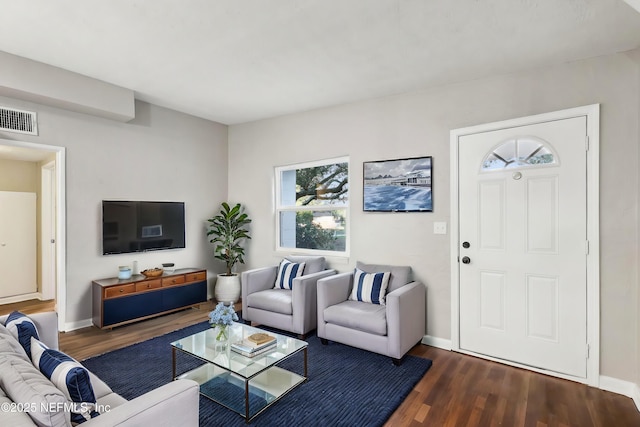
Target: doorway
x: 522, y: 237
x: 52, y: 264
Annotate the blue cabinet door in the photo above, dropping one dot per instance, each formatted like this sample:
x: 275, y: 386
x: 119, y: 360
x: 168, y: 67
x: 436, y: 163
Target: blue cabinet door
x: 181, y: 296
x: 121, y: 309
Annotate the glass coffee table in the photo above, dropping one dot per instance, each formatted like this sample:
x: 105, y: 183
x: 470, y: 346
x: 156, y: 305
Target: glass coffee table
x: 246, y: 385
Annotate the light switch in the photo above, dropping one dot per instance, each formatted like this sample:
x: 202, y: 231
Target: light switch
x: 439, y: 228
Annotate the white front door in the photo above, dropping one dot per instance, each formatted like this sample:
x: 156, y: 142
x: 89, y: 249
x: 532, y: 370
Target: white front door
x: 522, y: 245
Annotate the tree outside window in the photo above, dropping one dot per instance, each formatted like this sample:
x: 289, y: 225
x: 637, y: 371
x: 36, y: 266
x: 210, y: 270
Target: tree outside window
x: 312, y: 206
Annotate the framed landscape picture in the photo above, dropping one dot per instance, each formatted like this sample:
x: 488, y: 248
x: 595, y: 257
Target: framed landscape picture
x: 401, y: 185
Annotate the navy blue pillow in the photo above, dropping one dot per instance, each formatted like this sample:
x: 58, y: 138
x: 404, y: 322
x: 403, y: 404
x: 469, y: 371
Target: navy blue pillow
x: 68, y: 376
x: 22, y: 328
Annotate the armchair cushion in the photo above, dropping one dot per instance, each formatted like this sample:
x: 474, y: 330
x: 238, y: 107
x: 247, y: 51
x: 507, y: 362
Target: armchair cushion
x: 369, y: 287
x: 273, y: 300
x: 287, y: 271
x: 400, y: 275
x: 362, y: 316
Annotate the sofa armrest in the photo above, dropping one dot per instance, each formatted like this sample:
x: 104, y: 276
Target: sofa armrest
x: 405, y: 318
x: 173, y: 404
x: 47, y: 325
x: 304, y: 296
x: 258, y: 279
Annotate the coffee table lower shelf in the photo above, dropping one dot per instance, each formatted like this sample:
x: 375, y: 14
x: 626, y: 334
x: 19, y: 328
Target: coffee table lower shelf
x: 246, y: 396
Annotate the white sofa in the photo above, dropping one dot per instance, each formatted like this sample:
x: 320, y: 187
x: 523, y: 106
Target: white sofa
x: 24, y: 390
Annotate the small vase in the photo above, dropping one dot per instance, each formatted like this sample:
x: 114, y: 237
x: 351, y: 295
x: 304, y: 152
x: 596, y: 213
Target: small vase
x: 222, y: 332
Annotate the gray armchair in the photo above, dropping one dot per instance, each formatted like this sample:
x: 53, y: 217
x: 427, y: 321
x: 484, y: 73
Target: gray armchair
x: 391, y: 329
x: 293, y: 310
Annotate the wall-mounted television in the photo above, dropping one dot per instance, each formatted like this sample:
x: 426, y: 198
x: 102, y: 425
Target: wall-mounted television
x: 140, y: 226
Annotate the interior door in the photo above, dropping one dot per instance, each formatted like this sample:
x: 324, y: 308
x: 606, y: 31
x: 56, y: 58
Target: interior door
x: 523, y: 239
x: 17, y: 243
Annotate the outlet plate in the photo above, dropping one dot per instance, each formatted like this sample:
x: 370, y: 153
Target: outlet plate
x: 439, y: 228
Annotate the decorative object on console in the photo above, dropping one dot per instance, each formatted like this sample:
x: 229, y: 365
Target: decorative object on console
x: 168, y: 267
x: 228, y: 231
x: 221, y: 318
x: 124, y: 272
x: 402, y: 185
x: 152, y: 272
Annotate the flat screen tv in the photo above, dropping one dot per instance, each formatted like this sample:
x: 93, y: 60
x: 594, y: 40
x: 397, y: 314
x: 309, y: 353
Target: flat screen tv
x: 140, y: 226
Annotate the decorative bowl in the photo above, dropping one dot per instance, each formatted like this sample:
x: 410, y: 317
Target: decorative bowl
x: 152, y: 272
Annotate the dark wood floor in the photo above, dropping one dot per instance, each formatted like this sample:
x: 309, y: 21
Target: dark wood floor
x: 458, y: 390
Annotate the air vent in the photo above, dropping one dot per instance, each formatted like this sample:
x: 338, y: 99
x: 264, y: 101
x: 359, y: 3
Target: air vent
x: 19, y: 121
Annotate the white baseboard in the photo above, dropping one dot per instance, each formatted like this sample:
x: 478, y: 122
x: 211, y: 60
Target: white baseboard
x: 72, y: 326
x: 437, y: 342
x: 625, y: 388
x: 614, y: 385
x: 20, y: 298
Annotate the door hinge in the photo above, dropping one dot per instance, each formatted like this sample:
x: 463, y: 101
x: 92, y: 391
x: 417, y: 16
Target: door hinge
x: 586, y: 248
x: 586, y: 141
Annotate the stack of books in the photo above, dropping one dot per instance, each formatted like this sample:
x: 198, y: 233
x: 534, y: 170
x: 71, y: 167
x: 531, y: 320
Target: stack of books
x: 254, y: 345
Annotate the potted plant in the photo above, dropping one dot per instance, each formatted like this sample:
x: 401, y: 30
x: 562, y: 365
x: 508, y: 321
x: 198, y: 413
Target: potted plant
x: 228, y: 229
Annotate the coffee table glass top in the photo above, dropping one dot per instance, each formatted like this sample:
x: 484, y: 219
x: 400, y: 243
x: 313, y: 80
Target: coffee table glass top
x: 204, y: 346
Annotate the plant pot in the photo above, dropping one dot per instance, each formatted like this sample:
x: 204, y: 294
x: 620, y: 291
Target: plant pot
x: 227, y: 288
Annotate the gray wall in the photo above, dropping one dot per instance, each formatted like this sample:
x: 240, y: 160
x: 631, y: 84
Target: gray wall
x: 418, y: 124
x: 160, y: 155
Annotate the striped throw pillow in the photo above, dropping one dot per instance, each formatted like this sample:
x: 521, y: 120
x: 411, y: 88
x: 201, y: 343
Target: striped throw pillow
x: 68, y: 376
x: 287, y: 271
x: 370, y: 287
x: 22, y: 328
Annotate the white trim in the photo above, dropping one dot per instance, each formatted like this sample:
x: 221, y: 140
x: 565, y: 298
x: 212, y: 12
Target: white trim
x: 22, y: 297
x: 61, y: 238
x: 79, y: 324
x: 592, y: 113
x: 47, y: 230
x: 625, y: 388
x: 634, y: 4
x: 436, y: 342
x: 61, y: 263
x: 278, y: 207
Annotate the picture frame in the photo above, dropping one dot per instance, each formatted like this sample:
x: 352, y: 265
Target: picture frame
x: 398, y: 185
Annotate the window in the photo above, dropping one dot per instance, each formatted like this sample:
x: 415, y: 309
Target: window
x: 519, y: 153
x: 312, y: 206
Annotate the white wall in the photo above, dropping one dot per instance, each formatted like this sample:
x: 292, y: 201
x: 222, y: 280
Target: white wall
x: 160, y: 155
x: 419, y: 124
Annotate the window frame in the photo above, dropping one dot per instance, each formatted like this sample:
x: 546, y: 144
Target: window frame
x: 279, y: 207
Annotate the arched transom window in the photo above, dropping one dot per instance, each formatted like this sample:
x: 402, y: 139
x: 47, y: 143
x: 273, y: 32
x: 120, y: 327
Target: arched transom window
x: 518, y: 153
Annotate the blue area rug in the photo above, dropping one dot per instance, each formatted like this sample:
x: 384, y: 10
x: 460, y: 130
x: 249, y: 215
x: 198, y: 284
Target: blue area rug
x: 346, y: 386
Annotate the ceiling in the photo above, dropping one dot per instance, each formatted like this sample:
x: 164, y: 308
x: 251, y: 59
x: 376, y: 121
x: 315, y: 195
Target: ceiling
x: 235, y: 61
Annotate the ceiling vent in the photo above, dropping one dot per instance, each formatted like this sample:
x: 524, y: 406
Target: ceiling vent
x: 19, y: 121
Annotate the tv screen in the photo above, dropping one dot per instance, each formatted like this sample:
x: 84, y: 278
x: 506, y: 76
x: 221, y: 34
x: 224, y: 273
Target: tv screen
x: 137, y: 226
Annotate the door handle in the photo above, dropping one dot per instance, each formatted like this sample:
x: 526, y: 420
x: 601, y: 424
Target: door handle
x: 466, y: 260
